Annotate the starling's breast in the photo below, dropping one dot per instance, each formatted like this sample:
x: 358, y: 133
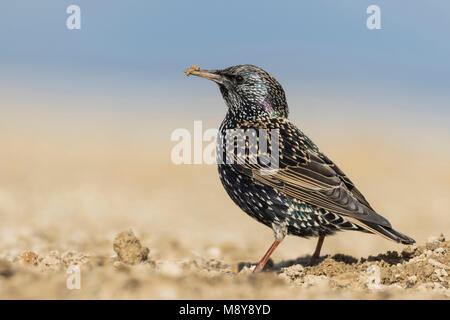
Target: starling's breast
x: 254, y: 199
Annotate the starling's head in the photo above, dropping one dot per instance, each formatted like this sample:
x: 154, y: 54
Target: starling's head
x: 248, y: 91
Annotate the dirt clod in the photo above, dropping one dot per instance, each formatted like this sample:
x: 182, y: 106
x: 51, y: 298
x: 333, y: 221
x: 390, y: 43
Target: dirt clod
x: 416, y: 271
x: 29, y: 258
x: 129, y: 249
x: 189, y: 70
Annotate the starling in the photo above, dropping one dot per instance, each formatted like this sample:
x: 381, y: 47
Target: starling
x: 306, y: 195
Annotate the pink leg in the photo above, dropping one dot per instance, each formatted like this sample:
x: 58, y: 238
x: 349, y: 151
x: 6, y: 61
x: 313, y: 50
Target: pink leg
x: 315, y: 257
x: 266, y: 257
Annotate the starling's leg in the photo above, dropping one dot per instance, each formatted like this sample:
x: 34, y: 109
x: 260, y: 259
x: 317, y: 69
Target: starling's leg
x: 266, y: 257
x: 315, y: 257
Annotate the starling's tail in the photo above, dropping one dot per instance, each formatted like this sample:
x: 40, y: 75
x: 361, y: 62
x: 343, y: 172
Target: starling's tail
x: 388, y: 233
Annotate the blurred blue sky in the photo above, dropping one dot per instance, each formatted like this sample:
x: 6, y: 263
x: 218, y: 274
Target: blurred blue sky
x: 314, y: 48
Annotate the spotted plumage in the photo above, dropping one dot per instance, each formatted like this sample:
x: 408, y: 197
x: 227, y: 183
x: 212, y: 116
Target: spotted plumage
x: 306, y: 194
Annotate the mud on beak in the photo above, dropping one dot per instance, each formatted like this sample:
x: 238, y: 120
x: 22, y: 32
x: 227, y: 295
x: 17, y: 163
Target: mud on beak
x: 207, y: 74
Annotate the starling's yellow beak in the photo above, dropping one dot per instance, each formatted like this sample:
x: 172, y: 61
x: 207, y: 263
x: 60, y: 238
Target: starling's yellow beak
x: 207, y: 74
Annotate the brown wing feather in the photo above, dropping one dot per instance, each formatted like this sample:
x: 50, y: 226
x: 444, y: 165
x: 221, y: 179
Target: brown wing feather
x: 348, y: 183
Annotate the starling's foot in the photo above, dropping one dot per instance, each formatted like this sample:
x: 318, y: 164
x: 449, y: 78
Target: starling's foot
x: 260, y: 266
x: 314, y: 261
x: 316, y: 256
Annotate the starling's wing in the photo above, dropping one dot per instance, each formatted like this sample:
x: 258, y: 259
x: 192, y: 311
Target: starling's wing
x: 306, y: 174
x: 348, y: 183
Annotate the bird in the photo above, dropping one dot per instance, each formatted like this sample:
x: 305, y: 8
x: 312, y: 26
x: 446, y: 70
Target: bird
x: 305, y: 194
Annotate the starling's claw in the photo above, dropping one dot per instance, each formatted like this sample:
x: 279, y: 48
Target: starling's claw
x: 314, y: 261
x: 316, y: 256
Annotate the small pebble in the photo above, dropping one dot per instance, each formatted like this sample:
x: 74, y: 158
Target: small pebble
x: 29, y: 258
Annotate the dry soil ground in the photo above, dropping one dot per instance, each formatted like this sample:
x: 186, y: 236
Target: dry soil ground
x: 66, y: 195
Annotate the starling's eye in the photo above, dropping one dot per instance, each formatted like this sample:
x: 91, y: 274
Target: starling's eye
x: 239, y: 79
